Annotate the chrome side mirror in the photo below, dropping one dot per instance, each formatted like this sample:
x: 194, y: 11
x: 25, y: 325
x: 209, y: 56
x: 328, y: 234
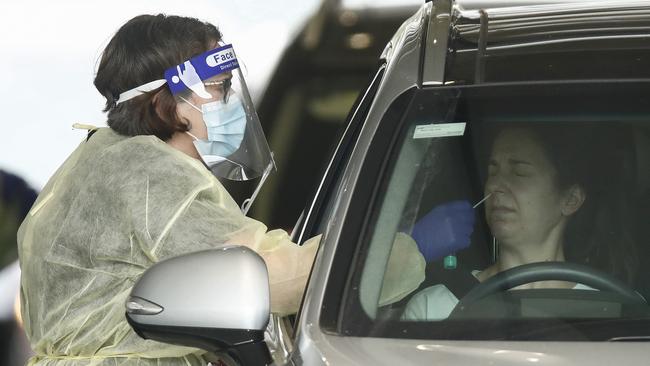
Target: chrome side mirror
x: 217, y: 300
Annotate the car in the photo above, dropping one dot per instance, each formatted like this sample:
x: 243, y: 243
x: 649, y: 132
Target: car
x: 460, y: 86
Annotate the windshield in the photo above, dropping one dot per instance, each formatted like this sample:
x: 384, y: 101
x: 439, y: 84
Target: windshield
x: 529, y: 205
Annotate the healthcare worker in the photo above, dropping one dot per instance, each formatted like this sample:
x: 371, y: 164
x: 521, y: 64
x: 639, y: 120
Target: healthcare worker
x: 145, y: 189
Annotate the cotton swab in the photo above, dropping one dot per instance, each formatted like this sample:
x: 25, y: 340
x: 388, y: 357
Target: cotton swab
x: 481, y: 201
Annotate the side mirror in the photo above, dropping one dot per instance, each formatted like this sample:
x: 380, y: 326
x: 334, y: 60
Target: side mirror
x: 216, y: 300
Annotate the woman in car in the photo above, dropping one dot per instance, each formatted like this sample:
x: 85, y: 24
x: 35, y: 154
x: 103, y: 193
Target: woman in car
x: 543, y: 198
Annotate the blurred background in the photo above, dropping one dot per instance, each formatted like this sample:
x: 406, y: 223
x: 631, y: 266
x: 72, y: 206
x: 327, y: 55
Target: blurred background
x: 305, y: 62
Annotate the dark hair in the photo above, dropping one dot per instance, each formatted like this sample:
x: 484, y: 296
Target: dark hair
x: 594, y: 157
x: 140, y: 52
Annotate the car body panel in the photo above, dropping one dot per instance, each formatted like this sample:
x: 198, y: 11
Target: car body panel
x: 376, y: 351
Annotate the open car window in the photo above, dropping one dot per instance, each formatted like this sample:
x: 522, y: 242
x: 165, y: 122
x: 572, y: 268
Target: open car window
x: 529, y: 204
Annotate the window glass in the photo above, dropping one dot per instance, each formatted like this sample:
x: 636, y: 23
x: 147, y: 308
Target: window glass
x: 529, y: 205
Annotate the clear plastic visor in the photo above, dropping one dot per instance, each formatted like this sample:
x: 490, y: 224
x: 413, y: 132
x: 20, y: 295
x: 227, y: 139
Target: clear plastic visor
x: 227, y: 131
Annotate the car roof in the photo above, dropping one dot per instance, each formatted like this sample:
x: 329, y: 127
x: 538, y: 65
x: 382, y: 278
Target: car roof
x: 469, y: 5
x: 543, y: 20
x: 544, y: 40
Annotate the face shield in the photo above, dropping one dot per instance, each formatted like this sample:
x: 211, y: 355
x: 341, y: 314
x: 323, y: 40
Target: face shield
x: 212, y: 84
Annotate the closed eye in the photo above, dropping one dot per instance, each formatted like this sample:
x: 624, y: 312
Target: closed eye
x: 492, y: 168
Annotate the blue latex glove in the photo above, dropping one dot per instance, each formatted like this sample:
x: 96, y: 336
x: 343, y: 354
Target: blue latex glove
x: 447, y: 228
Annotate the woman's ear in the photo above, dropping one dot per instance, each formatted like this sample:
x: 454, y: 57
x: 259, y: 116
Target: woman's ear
x: 157, y: 105
x: 183, y: 112
x: 162, y: 109
x: 573, y: 200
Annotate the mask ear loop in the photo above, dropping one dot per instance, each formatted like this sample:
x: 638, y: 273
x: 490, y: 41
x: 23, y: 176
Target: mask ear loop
x: 192, y: 105
x: 194, y: 137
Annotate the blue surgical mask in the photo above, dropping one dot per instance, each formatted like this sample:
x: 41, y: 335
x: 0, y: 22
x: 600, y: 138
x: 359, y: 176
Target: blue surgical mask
x: 226, y: 125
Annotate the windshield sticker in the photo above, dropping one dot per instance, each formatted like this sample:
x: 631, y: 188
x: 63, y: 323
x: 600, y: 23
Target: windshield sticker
x: 439, y: 130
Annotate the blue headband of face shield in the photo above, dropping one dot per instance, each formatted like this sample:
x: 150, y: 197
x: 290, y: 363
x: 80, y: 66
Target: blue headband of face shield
x: 190, y: 74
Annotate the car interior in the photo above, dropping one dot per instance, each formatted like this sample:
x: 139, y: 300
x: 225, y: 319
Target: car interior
x: 425, y: 173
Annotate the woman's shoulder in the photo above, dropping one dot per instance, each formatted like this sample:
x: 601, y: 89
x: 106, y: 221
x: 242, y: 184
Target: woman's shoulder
x: 437, y: 291
x: 432, y: 303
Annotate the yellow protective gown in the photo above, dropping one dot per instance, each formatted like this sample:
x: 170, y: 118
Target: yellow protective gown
x: 114, y: 208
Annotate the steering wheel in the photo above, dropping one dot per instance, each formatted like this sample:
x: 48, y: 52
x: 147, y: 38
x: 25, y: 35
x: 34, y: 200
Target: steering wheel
x: 547, y: 271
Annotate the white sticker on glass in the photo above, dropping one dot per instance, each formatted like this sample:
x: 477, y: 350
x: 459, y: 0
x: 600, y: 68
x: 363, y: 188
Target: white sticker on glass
x: 439, y: 130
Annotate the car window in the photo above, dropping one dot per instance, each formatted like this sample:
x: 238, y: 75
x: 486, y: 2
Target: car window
x: 308, y: 224
x: 528, y: 207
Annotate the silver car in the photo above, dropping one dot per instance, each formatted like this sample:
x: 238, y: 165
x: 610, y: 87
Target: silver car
x: 509, y: 142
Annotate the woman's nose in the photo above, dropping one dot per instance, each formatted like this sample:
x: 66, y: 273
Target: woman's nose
x: 495, y: 184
